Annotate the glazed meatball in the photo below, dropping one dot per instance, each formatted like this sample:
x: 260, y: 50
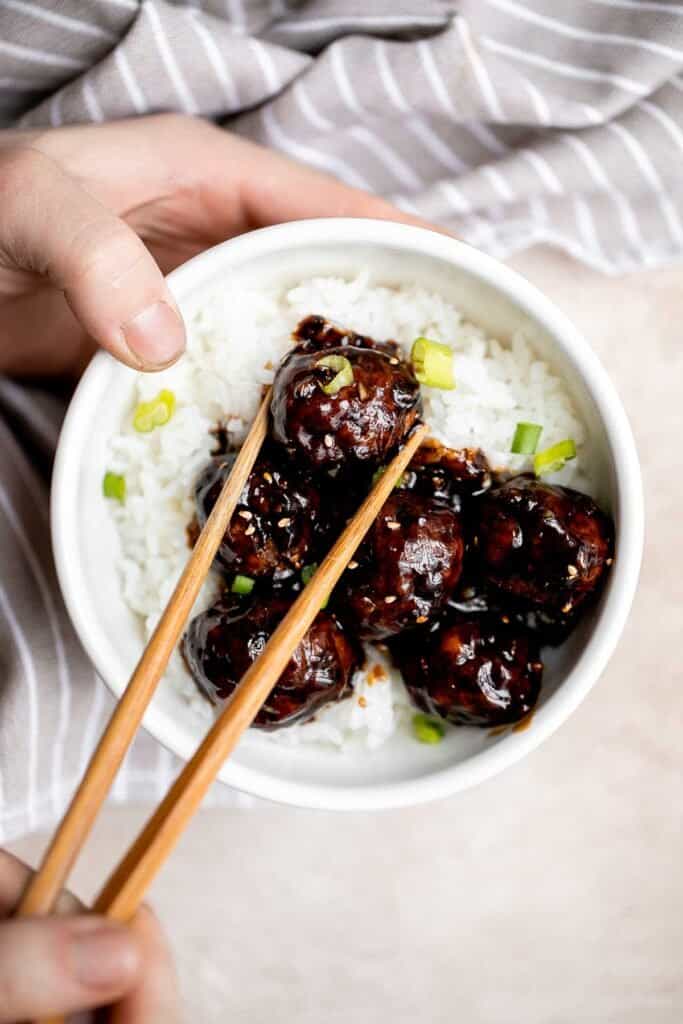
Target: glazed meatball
x: 450, y: 475
x: 221, y: 644
x: 405, y: 569
x: 276, y: 523
x: 360, y: 425
x: 473, y: 671
x: 546, y: 545
x: 315, y: 334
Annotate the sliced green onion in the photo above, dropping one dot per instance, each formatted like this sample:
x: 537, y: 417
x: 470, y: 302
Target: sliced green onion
x: 427, y: 729
x: 343, y: 373
x: 553, y: 459
x: 114, y: 486
x: 307, y: 574
x: 154, y: 413
x: 433, y: 363
x: 242, y: 585
x: 379, y: 473
x: 526, y: 438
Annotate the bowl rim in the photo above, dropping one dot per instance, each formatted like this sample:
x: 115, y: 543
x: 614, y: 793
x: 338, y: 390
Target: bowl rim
x: 593, y: 658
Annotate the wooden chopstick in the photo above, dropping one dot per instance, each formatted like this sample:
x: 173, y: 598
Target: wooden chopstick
x: 43, y: 889
x: 126, y: 887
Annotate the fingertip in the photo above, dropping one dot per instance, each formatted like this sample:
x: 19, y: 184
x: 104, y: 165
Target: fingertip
x: 103, y: 955
x: 155, y: 337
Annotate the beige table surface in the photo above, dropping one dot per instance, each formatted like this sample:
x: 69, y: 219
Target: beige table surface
x: 550, y: 895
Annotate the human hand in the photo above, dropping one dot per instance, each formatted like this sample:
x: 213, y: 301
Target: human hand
x: 92, y: 216
x: 64, y: 964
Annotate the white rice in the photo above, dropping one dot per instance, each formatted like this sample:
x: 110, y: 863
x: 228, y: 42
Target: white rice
x: 235, y: 340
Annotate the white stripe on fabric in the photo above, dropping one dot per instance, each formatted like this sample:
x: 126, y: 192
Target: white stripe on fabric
x: 129, y: 80
x: 21, y: 85
x: 486, y: 138
x: 499, y: 183
x: 592, y: 113
x: 651, y: 176
x: 129, y: 5
x: 311, y: 113
x: 56, y: 60
x: 215, y: 58
x: 544, y: 170
x: 83, y: 28
x: 90, y: 729
x: 91, y: 102
x: 586, y: 226
x: 539, y: 102
x: 573, y: 32
x: 382, y: 150
x: 436, y: 146
x: 480, y: 72
x: 387, y: 156
x: 356, y: 20
x: 455, y: 197
x: 627, y: 218
x: 308, y: 154
x: 188, y: 102
x: 664, y: 119
x: 62, y: 666
x: 26, y: 658
x: 647, y: 6
x: 427, y: 136
x: 267, y: 65
x: 562, y: 68
x: 434, y: 77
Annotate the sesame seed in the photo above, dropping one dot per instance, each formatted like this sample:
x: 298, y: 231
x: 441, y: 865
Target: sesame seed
x: 505, y: 619
x: 392, y: 524
x: 362, y: 391
x: 394, y: 361
x: 249, y: 530
x: 421, y: 619
x: 362, y: 702
x: 328, y: 441
x: 572, y: 570
x: 537, y: 666
x: 609, y: 561
x: 567, y: 607
x: 268, y: 477
x: 284, y: 522
x: 245, y: 514
x: 352, y: 565
x: 390, y: 599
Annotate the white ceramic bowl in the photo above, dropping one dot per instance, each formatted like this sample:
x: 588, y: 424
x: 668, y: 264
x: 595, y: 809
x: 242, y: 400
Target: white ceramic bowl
x: 402, y: 771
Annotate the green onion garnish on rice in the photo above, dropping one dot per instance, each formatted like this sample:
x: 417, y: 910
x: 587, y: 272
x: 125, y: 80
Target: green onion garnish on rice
x: 526, y: 438
x: 307, y: 574
x: 553, y: 459
x: 427, y: 729
x: 343, y: 373
x: 114, y: 486
x: 433, y: 363
x: 154, y: 413
x: 242, y: 585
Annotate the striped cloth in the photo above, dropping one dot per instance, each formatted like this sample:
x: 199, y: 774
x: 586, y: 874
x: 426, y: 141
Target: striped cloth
x: 510, y: 122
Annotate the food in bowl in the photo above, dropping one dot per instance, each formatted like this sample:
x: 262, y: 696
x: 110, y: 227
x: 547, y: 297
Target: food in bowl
x: 474, y: 563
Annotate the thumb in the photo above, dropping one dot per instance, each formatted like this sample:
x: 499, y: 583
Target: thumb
x: 52, y: 226
x: 59, y: 965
